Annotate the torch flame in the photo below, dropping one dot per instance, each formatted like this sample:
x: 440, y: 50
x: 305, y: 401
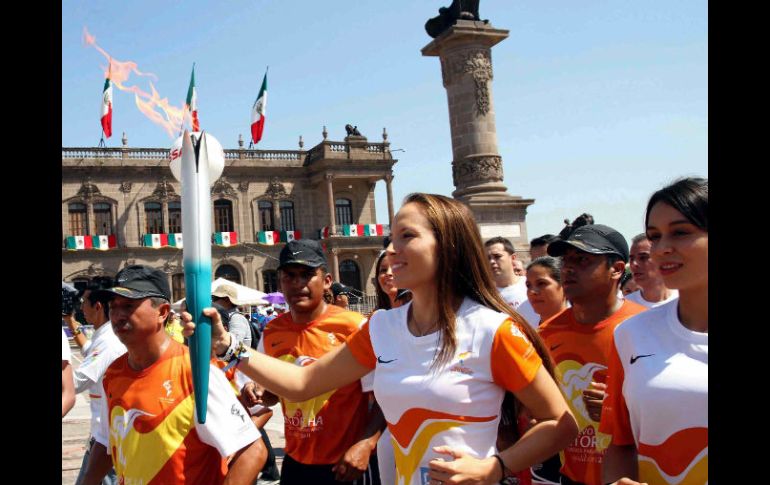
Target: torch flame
x: 156, y: 109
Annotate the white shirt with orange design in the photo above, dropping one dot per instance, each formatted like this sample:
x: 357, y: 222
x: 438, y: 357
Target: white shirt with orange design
x: 459, y: 404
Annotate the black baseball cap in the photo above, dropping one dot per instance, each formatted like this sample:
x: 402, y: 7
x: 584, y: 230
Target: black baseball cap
x: 340, y: 289
x: 140, y: 281
x: 306, y: 252
x: 593, y: 239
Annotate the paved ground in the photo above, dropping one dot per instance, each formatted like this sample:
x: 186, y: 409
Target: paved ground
x: 75, y: 430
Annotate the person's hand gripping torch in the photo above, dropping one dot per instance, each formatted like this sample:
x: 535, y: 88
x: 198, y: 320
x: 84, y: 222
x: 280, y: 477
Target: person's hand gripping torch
x: 197, y: 161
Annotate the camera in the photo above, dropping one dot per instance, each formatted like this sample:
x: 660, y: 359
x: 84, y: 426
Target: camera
x: 69, y: 299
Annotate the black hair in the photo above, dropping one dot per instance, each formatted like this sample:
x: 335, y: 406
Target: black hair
x: 507, y: 245
x: 553, y: 265
x: 95, y: 296
x: 543, y: 240
x: 689, y: 196
x: 627, y: 276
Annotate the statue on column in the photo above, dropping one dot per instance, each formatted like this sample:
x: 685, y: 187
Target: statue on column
x: 448, y: 16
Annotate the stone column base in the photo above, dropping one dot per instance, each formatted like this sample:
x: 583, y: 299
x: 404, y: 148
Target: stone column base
x: 502, y: 215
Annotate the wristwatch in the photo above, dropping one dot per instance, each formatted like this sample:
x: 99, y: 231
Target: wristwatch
x: 78, y: 330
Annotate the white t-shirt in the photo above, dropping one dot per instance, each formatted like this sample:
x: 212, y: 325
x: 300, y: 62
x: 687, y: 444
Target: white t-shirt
x: 458, y: 405
x: 529, y: 314
x: 66, y: 353
x: 662, y: 369
x: 104, y: 349
x: 515, y: 294
x: 637, y: 297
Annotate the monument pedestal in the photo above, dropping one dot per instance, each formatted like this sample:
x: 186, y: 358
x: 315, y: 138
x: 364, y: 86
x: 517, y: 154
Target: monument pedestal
x: 477, y: 168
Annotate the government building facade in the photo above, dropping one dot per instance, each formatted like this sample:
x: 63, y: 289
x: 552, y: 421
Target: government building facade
x: 122, y: 206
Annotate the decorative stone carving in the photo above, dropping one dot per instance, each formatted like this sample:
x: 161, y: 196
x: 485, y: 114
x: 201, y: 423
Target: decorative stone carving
x: 478, y: 64
x: 243, y: 186
x: 276, y: 190
x: 477, y: 169
x: 221, y: 187
x: 125, y: 187
x: 164, y: 190
x: 88, y: 190
x: 248, y: 258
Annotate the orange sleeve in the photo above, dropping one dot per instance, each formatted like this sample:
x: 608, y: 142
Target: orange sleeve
x: 615, y: 419
x: 360, y: 345
x: 514, y: 360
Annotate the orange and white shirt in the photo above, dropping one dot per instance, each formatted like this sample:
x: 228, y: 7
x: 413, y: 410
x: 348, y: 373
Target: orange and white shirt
x: 320, y: 430
x: 580, y: 353
x: 153, y: 433
x: 457, y: 405
x: 657, y: 397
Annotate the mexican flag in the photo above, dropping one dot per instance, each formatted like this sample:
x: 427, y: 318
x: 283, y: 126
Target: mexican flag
x: 323, y: 233
x: 155, y: 240
x: 192, y: 102
x: 107, y: 105
x: 226, y: 238
x: 287, y: 236
x: 175, y: 240
x: 104, y: 242
x: 258, y: 112
x: 373, y: 230
x: 268, y: 237
x: 79, y: 242
x: 353, y: 230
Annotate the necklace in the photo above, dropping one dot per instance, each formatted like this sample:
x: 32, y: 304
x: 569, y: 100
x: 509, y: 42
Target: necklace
x: 415, y: 327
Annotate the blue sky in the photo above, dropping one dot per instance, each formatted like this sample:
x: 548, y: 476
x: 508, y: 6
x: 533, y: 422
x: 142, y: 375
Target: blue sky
x: 597, y: 103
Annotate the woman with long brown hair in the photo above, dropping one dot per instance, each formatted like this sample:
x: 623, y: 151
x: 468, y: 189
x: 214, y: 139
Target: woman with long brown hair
x: 443, y: 362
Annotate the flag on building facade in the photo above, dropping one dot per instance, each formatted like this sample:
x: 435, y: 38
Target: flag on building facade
x: 79, y: 242
x: 107, y: 105
x: 226, y: 238
x: 258, y: 113
x: 155, y: 240
x: 287, y: 236
x: 192, y: 102
x: 104, y: 242
x: 373, y: 230
x: 175, y: 240
x: 353, y: 230
x: 268, y: 238
x: 323, y: 233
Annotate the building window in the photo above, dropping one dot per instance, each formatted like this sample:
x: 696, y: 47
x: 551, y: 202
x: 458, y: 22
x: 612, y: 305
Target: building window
x: 177, y: 287
x: 103, y: 218
x: 269, y: 281
x: 228, y: 272
x: 350, y: 274
x: 153, y: 212
x: 223, y: 216
x: 344, y: 211
x: 174, y: 217
x: 287, y: 215
x: 265, y: 215
x: 78, y: 219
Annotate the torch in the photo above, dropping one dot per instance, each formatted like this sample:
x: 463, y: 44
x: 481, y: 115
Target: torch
x: 197, y: 161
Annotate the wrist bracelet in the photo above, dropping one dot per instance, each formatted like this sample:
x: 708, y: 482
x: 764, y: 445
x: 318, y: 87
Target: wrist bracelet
x: 240, y: 352
x: 228, y: 354
x: 505, y: 470
x: 77, y: 330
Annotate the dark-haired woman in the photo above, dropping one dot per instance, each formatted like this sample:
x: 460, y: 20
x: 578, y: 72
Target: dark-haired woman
x: 657, y: 393
x: 443, y: 362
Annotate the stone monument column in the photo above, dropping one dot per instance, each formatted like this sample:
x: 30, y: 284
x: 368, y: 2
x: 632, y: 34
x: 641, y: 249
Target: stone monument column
x: 464, y: 49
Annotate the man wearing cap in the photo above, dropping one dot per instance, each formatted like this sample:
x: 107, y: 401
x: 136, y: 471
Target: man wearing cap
x: 150, y: 426
x: 99, y: 353
x: 227, y: 296
x: 580, y: 338
x: 321, y: 433
x: 341, y: 295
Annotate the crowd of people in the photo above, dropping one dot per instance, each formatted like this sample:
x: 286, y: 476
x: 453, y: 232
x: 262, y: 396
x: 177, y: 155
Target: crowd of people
x: 475, y: 368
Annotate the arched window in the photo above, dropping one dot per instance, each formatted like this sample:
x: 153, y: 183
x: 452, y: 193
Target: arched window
x: 174, y: 217
x: 177, y: 286
x: 103, y: 218
x: 270, y: 281
x: 228, y: 272
x: 344, y: 211
x: 287, y: 215
x: 153, y: 213
x: 350, y: 274
x: 78, y: 219
x: 265, y: 215
x: 223, y: 216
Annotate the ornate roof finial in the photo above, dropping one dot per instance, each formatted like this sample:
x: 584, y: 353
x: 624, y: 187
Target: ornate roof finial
x: 124, y: 139
x: 240, y: 140
x: 301, y: 143
x: 384, y: 134
x: 325, y: 133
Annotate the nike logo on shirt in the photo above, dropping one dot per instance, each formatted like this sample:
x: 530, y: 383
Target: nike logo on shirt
x: 634, y: 359
x: 379, y: 360
x: 557, y: 346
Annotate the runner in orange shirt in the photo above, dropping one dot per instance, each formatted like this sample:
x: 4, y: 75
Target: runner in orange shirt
x: 580, y: 338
